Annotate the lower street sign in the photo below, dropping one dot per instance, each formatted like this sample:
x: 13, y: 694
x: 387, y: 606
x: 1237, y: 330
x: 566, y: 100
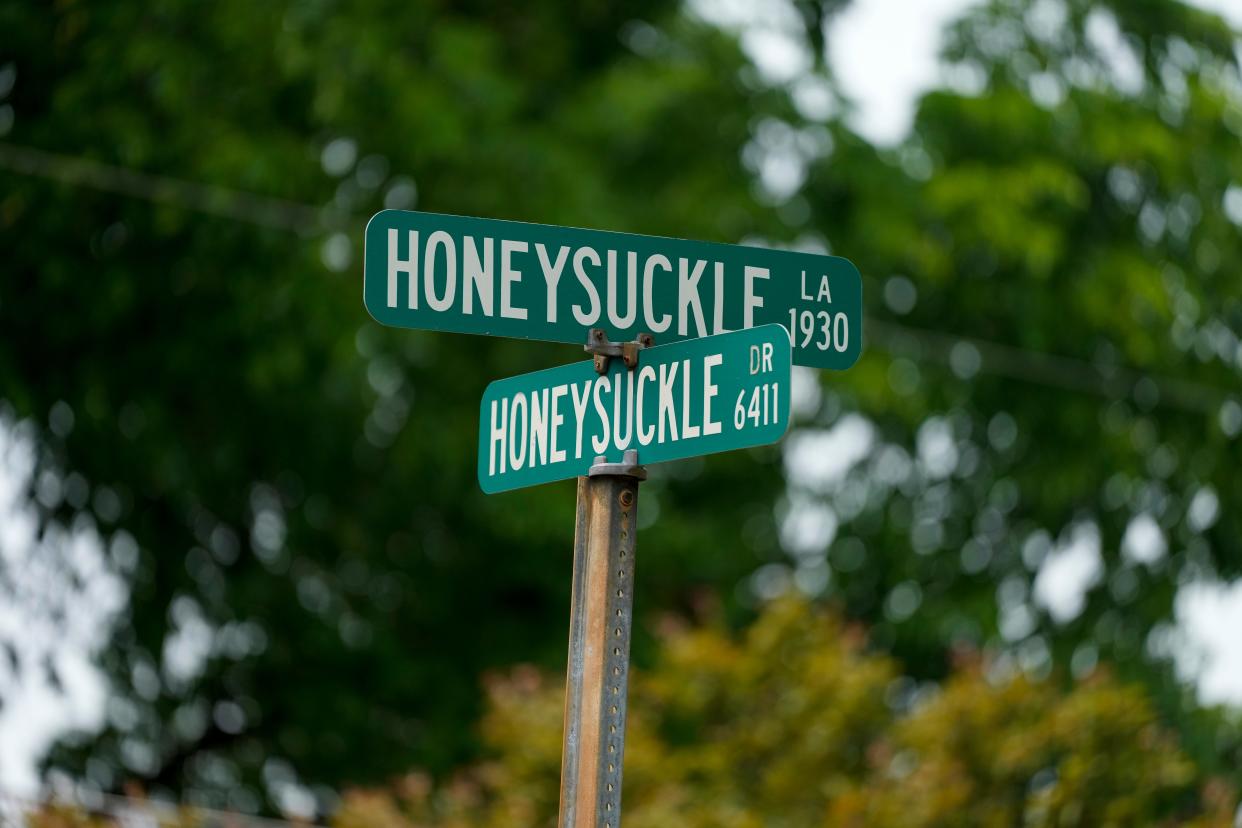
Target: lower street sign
x: 689, y: 398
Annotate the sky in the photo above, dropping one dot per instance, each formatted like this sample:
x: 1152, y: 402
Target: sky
x: 885, y: 57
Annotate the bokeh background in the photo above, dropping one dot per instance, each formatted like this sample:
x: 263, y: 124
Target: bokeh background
x: 990, y: 576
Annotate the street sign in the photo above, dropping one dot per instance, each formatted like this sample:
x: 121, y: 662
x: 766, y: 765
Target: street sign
x: 536, y: 281
x: 690, y: 398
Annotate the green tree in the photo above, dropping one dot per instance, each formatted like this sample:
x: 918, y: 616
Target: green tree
x: 1065, y: 212
x: 798, y: 724
x: 1052, y: 350
x: 293, y: 477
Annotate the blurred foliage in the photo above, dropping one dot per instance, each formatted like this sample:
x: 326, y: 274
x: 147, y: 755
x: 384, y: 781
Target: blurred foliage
x: 293, y: 476
x: 61, y: 816
x: 1052, y: 360
x: 1071, y: 192
x: 798, y: 724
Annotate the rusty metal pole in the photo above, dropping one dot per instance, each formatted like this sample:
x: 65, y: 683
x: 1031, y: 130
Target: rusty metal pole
x: 599, y: 644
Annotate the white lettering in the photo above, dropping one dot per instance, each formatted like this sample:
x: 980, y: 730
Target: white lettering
x: 752, y: 301
x: 710, y: 390
x: 688, y: 297
x: 824, y: 292
x: 580, y: 405
x: 647, y: 374
x: 665, y: 410
x: 398, y: 265
x: 558, y: 455
x: 661, y: 261
x: 476, y: 276
x: 552, y: 274
x: 586, y: 317
x: 440, y: 239
x: 517, y: 438
x: 688, y: 429
x: 497, y: 439
x: 718, y: 304
x: 614, y: 315
x: 508, y: 276
x: 618, y: 440
x: 600, y: 441
x: 539, y: 427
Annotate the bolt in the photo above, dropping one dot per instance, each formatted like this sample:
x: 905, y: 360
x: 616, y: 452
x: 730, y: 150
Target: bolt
x: 626, y: 498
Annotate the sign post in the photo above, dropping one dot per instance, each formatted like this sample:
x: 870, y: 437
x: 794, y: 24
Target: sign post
x: 732, y: 320
x: 599, y: 644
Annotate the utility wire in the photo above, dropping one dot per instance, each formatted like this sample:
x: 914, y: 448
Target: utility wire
x: 205, y: 198
x: 1110, y: 382
x: 1065, y: 373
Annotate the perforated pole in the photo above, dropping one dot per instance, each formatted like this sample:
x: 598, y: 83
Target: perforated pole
x: 599, y: 644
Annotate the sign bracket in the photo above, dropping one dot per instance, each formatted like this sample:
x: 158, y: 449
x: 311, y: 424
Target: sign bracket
x: 628, y: 467
x: 604, y: 350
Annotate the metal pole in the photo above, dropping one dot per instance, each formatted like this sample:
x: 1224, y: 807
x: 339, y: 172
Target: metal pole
x: 599, y: 644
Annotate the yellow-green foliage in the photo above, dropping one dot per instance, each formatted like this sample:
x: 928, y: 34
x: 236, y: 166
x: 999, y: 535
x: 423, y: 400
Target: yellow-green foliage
x: 132, y: 812
x: 790, y: 726
x: 61, y: 816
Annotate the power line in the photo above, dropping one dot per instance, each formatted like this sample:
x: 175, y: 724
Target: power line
x: 192, y: 195
x: 1065, y: 373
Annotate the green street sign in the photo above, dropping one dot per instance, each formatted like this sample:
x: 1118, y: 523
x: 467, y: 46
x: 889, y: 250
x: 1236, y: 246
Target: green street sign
x: 701, y: 396
x: 536, y: 281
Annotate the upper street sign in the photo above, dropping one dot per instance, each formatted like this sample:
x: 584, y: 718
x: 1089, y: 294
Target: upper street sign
x: 537, y: 281
x: 697, y: 397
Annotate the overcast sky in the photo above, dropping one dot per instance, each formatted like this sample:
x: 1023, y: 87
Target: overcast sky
x: 885, y: 54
